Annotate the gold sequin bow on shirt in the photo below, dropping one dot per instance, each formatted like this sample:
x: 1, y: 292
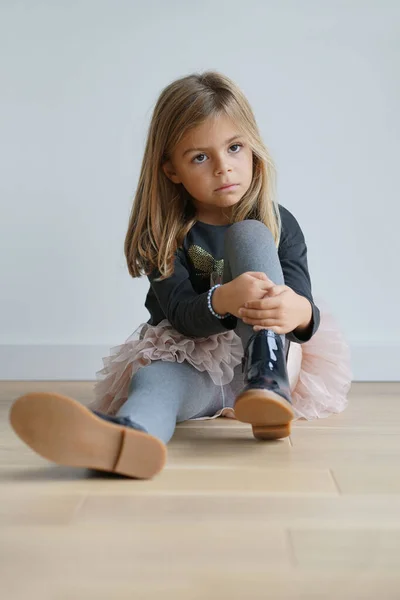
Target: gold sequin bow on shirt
x: 205, y: 264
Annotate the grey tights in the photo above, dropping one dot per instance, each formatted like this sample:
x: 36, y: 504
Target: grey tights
x: 165, y: 393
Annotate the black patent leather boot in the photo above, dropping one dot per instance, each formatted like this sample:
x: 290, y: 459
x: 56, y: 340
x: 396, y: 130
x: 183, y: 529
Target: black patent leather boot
x: 265, y: 401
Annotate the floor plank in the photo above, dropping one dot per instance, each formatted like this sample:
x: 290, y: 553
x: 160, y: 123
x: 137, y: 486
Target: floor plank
x: 316, y: 515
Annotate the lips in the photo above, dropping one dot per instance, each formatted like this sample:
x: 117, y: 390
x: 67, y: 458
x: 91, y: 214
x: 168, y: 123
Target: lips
x: 226, y: 186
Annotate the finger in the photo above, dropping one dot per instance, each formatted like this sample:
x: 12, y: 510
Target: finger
x: 259, y: 275
x: 265, y: 303
x: 267, y: 286
x: 270, y: 322
x: 276, y: 290
x: 254, y: 313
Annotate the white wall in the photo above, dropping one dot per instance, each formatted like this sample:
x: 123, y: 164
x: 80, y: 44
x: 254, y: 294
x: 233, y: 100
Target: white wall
x: 79, y: 80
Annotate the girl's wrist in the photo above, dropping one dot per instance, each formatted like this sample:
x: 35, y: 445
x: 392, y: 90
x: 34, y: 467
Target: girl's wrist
x: 217, y: 300
x: 306, y: 314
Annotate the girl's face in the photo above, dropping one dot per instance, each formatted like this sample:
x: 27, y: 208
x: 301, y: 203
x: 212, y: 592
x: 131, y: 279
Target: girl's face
x: 208, y: 157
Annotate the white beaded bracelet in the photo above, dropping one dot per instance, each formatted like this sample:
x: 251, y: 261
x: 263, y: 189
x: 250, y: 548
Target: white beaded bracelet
x: 209, y: 295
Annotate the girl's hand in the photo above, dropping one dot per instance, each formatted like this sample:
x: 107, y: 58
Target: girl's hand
x: 249, y: 286
x: 281, y: 310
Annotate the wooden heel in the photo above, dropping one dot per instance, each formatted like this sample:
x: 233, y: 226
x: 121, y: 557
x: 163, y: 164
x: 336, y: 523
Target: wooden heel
x: 261, y: 432
x: 269, y: 414
x: 141, y: 455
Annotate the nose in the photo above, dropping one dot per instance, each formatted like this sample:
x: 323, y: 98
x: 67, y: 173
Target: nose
x: 222, y: 166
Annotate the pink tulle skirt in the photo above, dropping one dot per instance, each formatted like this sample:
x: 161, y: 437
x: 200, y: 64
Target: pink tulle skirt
x: 319, y: 370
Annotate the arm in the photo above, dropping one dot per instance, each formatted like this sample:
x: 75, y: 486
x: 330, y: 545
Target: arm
x: 185, y: 309
x: 293, y: 258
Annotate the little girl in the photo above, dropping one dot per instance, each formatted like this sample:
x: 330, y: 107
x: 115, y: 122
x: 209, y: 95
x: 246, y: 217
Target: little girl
x: 233, y: 329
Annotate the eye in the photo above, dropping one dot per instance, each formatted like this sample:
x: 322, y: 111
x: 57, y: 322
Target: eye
x: 198, y: 163
x: 202, y: 161
x: 237, y: 146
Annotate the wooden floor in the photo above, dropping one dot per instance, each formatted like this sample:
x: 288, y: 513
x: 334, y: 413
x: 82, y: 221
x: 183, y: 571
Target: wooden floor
x: 316, y: 516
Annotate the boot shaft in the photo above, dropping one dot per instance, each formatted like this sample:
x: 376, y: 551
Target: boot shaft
x: 264, y: 363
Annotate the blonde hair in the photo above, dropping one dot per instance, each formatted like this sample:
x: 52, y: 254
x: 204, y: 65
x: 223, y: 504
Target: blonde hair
x: 162, y: 213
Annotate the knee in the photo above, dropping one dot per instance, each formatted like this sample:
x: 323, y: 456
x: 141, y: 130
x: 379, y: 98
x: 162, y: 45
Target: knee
x: 248, y: 228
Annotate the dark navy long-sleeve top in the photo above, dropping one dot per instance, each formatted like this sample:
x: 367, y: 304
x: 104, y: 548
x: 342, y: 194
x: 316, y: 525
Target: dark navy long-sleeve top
x: 182, y: 297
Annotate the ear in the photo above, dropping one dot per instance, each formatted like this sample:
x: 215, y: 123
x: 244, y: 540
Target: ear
x: 170, y: 172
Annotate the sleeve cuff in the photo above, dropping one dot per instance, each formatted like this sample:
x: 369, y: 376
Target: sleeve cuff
x: 229, y: 322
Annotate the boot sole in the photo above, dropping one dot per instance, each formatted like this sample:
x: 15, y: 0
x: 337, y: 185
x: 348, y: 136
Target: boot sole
x: 268, y: 413
x: 64, y: 431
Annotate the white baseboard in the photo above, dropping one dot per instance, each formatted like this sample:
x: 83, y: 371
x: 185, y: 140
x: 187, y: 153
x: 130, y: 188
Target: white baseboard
x: 370, y: 362
x: 51, y: 362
